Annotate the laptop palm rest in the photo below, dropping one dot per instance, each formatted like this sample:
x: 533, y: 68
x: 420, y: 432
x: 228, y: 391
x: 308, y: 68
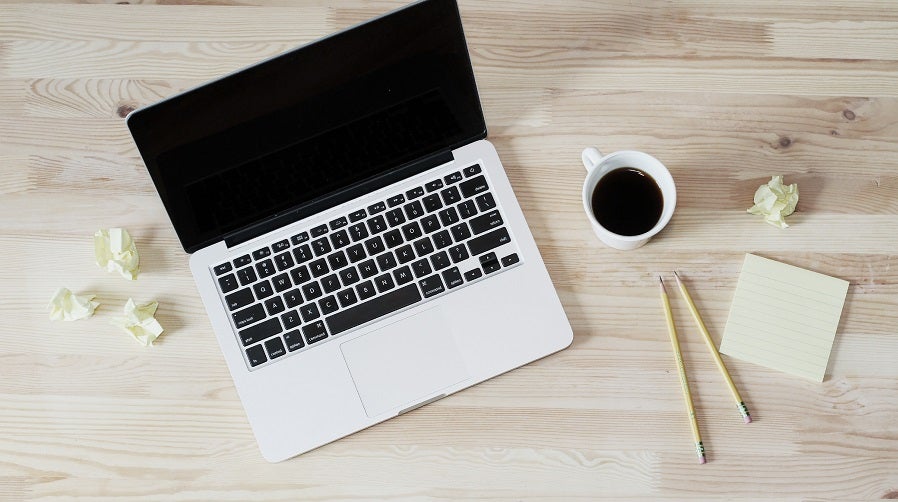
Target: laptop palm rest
x: 404, y: 362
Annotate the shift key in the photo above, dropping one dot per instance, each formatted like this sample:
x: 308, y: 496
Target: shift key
x: 487, y: 241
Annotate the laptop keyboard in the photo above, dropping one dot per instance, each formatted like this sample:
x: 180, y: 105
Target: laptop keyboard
x: 324, y: 281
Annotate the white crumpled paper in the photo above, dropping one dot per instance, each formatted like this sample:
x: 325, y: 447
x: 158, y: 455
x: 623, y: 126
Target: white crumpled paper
x: 774, y: 201
x: 140, y: 323
x: 66, y: 306
x: 116, y: 252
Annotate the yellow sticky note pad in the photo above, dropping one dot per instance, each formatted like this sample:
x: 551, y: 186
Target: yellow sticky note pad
x: 784, y: 317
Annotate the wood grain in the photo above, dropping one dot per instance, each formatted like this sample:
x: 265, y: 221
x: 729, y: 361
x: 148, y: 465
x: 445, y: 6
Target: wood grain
x: 725, y: 93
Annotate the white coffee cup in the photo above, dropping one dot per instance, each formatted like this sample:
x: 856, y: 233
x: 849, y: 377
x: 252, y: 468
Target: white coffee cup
x: 598, y: 166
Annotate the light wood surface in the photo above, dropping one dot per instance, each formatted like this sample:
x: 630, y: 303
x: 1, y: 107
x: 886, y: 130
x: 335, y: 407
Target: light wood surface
x: 726, y: 93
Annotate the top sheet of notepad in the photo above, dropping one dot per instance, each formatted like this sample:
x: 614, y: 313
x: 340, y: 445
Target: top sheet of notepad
x: 784, y: 317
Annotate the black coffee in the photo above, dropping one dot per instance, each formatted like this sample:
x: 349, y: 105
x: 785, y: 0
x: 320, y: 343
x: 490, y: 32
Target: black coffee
x: 627, y: 201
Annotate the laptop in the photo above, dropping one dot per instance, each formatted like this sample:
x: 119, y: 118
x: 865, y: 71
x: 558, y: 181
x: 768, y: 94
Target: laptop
x: 353, y: 236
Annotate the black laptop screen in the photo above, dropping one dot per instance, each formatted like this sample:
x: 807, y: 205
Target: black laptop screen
x: 311, y: 122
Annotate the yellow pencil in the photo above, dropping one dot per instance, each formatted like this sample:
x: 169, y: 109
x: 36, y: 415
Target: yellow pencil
x: 699, y: 448
x: 746, y: 417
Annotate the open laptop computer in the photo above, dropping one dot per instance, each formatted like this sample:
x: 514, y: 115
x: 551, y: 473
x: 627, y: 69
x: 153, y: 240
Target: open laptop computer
x: 354, y: 238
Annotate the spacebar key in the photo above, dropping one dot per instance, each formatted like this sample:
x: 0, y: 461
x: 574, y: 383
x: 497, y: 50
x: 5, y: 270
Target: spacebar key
x: 368, y: 311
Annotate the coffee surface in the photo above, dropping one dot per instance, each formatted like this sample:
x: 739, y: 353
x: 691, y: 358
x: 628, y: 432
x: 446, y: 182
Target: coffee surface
x: 627, y: 201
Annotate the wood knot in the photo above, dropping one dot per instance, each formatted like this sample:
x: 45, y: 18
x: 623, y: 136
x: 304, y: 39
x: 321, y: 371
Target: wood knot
x: 892, y: 495
x: 848, y: 114
x: 123, y: 3
x: 785, y: 142
x: 123, y: 110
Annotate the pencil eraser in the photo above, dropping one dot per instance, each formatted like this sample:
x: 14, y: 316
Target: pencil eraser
x: 701, y: 460
x: 747, y: 419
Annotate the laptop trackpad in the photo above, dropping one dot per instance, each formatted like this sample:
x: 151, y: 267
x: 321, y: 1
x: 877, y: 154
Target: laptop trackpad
x: 401, y: 364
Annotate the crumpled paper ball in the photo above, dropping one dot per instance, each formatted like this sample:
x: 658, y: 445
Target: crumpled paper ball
x: 774, y: 201
x: 139, y: 322
x: 116, y: 252
x: 66, y: 306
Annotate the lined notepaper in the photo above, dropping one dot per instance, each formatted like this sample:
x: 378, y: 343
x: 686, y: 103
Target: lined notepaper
x: 784, y: 317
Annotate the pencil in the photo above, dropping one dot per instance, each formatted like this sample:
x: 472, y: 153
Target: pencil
x: 684, y: 383
x: 746, y: 417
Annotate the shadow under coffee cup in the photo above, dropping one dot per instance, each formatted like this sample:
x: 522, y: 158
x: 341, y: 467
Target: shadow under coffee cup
x: 628, y: 196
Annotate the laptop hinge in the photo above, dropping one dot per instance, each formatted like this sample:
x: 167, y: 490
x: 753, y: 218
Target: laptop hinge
x: 338, y: 197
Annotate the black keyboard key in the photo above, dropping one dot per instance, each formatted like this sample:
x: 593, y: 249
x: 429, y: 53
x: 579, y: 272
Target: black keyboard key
x: 473, y: 274
x: 321, y: 246
x: 395, y: 217
x: 315, y: 332
x: 247, y: 276
x: 458, y: 253
x: 300, y: 274
x: 319, y: 230
x: 376, y: 207
x: 293, y: 340
x: 284, y: 261
x: 414, y: 210
x: 412, y: 231
x: 281, y: 282
x: 430, y: 223
x: 377, y: 224
x: 452, y: 178
x: 239, y: 299
x: 460, y: 232
x: 421, y: 267
x: 265, y: 268
x: 279, y: 246
x: 275, y: 305
x: 260, y: 331
x: 263, y: 289
x: 510, y: 260
x: 393, y: 238
x: 309, y: 312
x: 302, y: 253
x: 299, y: 238
x: 402, y: 275
x: 450, y: 195
x: 290, y: 319
x: 347, y: 297
x: 405, y: 254
x: 434, y: 185
x: 349, y: 276
x: 440, y: 260
x: 358, y: 232
x: 242, y: 261
x: 356, y: 252
x: 467, y: 209
x: 471, y: 170
x: 431, y: 285
x: 357, y: 215
x: 442, y: 239
x: 319, y: 267
x: 452, y: 278
x: 256, y: 355
x: 330, y: 283
x: 340, y: 239
x: 423, y: 246
x: 338, y: 223
x: 489, y: 263
x: 449, y: 216
x: 489, y: 240
x: 384, y: 282
x: 311, y: 290
x: 485, y: 202
x: 368, y: 311
x: 375, y: 245
x: 228, y: 283
x: 328, y: 305
x: 386, y: 261
x: 432, y: 202
x: 366, y: 290
x: 337, y: 260
x: 414, y: 193
x: 395, y: 200
x: 224, y: 267
x: 487, y: 257
x: 275, y: 348
x: 486, y: 222
x: 292, y: 298
x: 261, y: 253
x: 473, y: 186
x: 248, y: 315
x: 367, y: 269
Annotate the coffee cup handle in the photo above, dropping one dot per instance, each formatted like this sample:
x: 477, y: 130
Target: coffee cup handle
x: 591, y: 157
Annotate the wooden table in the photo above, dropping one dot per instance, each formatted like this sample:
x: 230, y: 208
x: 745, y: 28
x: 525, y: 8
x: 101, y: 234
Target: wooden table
x: 726, y: 93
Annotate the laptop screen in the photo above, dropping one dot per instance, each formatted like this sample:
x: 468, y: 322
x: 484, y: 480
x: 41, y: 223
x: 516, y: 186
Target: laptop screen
x: 299, y: 127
